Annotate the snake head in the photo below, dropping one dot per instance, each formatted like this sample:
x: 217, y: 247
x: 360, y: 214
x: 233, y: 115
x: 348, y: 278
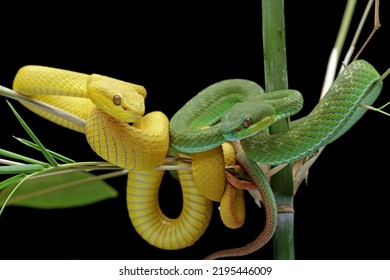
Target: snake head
x: 243, y: 120
x: 124, y: 101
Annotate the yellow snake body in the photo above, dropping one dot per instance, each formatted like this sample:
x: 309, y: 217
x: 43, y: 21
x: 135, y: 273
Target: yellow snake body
x: 108, y: 106
x: 78, y: 93
x: 142, y: 146
x: 54, y: 86
x: 155, y: 227
x: 210, y: 184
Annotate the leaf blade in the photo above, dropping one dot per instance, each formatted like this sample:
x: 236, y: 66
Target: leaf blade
x: 63, y: 190
x: 47, y: 155
x: 9, y: 154
x: 23, y: 168
x: 54, y: 154
x: 12, y: 180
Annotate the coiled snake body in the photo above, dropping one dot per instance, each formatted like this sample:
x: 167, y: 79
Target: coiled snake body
x: 109, y: 105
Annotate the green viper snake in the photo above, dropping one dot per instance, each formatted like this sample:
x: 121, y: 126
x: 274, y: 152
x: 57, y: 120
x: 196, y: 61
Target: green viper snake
x: 230, y: 111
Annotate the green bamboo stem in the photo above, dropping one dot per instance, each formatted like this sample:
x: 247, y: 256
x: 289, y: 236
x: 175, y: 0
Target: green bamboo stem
x: 275, y: 67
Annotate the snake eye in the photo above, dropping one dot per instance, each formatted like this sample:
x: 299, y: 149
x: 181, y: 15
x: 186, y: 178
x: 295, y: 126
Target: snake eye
x: 116, y: 99
x: 248, y: 122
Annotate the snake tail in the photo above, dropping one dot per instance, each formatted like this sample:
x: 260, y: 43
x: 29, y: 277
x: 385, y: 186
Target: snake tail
x: 270, y: 207
x: 232, y: 205
x: 155, y: 227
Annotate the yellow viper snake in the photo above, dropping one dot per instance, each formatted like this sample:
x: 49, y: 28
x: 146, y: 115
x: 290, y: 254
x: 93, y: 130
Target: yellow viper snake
x: 108, y: 105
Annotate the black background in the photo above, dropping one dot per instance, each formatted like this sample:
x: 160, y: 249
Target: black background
x: 175, y: 50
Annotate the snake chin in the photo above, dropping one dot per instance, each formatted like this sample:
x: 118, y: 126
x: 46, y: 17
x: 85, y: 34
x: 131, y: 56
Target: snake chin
x: 239, y: 135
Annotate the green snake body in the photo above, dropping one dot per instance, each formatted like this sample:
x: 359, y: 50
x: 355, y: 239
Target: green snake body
x: 335, y: 114
x: 205, y: 120
x: 225, y: 105
x: 223, y: 100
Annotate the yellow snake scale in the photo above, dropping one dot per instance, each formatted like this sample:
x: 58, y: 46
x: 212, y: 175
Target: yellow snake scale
x: 108, y: 105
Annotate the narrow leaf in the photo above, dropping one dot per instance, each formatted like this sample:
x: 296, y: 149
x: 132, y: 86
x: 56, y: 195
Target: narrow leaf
x: 12, y: 181
x: 61, y: 191
x: 13, y: 155
x: 24, y: 168
x: 47, y: 155
x: 54, y: 154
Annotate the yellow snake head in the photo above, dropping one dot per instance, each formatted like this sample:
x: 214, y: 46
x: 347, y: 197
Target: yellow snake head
x: 246, y: 119
x: 122, y: 100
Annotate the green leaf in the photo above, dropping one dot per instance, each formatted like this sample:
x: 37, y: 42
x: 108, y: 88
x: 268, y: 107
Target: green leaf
x: 47, y: 155
x: 23, y: 168
x: 12, y: 181
x: 62, y: 190
x: 54, y: 154
x: 13, y: 155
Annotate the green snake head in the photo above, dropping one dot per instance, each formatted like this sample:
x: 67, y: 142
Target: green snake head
x: 117, y: 98
x: 243, y: 120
